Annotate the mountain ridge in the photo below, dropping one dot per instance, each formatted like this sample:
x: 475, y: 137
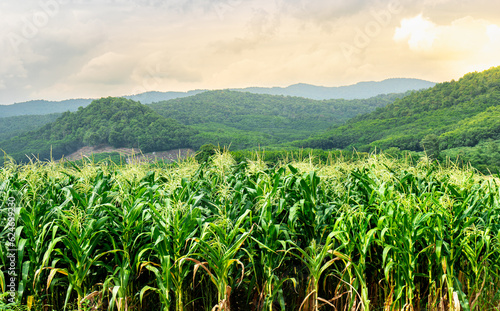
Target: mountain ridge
x: 360, y: 90
x: 310, y: 91
x: 42, y: 107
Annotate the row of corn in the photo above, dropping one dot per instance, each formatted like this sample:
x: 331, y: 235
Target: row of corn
x: 373, y: 234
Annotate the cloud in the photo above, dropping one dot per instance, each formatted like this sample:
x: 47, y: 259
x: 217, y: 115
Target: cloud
x: 493, y: 32
x: 109, y: 68
x: 93, y: 48
x: 261, y: 27
x: 163, y: 65
x: 419, y: 32
x: 319, y: 11
x: 461, y: 38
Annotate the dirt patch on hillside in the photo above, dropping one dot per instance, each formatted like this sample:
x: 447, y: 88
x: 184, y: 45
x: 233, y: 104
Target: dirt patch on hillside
x: 131, y: 153
x: 170, y: 155
x: 88, y: 151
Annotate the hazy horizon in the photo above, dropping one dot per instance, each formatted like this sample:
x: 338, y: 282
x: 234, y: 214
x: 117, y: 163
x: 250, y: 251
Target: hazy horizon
x: 247, y: 87
x: 61, y: 49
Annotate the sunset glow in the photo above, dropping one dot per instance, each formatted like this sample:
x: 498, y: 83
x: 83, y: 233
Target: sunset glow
x: 58, y: 49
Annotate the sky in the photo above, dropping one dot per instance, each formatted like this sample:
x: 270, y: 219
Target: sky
x: 61, y: 49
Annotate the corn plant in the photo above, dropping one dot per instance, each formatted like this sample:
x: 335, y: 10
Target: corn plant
x: 83, y: 232
x: 218, y: 246
x: 78, y: 255
x: 364, y: 234
x: 173, y: 235
x: 317, y: 258
x: 126, y: 221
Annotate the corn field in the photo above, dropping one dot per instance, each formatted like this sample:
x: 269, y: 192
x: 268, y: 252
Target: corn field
x: 372, y: 234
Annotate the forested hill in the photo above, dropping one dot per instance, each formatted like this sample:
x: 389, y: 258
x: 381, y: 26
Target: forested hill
x: 247, y: 120
x: 242, y: 120
x: 458, y: 113
x: 111, y: 121
x: 17, y: 125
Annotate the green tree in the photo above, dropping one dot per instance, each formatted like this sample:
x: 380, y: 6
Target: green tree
x: 205, y: 152
x: 91, y: 139
x: 430, y: 144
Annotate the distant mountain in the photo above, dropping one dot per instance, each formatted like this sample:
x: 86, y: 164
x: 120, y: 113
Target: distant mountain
x: 361, y: 90
x: 457, y: 114
x: 117, y: 122
x: 41, y: 107
x: 153, y: 97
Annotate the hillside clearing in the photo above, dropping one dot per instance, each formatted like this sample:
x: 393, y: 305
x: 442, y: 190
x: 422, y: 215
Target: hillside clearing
x: 170, y: 155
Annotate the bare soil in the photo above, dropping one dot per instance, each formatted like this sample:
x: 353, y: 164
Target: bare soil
x: 134, y: 154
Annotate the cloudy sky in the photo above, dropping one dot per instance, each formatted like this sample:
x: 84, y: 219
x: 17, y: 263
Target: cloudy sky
x: 59, y: 49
